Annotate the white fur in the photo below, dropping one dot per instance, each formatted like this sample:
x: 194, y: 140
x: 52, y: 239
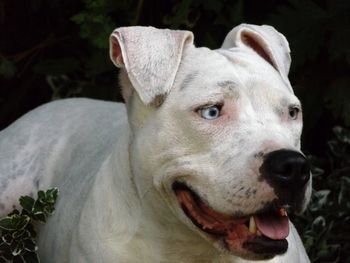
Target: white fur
x: 115, y: 166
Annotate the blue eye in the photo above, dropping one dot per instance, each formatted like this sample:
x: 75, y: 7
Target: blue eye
x: 210, y: 113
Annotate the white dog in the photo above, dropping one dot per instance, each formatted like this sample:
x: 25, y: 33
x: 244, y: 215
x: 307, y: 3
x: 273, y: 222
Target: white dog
x: 199, y: 165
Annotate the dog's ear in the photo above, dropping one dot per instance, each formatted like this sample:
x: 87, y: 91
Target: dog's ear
x: 265, y: 41
x: 150, y: 57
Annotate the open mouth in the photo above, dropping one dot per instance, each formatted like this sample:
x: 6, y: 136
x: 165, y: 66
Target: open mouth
x: 261, y: 235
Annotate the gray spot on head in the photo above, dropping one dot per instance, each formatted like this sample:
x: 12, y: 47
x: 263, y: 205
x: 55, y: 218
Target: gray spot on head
x: 230, y: 87
x: 284, y: 102
x: 279, y: 111
x: 229, y: 84
x: 2, y: 206
x: 188, y: 80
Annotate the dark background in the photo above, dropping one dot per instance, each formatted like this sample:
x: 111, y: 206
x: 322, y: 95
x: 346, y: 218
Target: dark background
x: 51, y: 49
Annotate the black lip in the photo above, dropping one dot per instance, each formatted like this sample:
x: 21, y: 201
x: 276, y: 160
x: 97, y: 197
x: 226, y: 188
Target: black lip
x: 265, y: 246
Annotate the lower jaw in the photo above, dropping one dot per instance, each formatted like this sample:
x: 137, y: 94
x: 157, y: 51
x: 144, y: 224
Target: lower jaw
x: 253, y: 247
x: 265, y: 246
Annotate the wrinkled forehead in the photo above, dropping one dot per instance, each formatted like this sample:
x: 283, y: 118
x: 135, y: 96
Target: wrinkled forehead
x: 212, y: 70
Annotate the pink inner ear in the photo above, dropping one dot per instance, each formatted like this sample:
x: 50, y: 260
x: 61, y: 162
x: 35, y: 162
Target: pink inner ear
x: 117, y: 52
x: 258, y: 47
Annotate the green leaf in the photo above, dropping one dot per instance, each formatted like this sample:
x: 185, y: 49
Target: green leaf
x: 31, y: 258
x: 27, y: 203
x: 39, y: 216
x: 342, y: 134
x: 41, y: 196
x: 17, y: 243
x: 318, y: 225
x: 14, y: 222
x: 51, y: 195
x: 30, y: 245
x: 19, y: 234
x: 6, y: 239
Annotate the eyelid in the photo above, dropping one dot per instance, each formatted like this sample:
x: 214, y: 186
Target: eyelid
x: 219, y: 104
x: 298, y: 106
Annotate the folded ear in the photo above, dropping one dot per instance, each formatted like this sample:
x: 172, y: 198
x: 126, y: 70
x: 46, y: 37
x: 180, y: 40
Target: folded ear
x: 151, y: 58
x: 265, y: 41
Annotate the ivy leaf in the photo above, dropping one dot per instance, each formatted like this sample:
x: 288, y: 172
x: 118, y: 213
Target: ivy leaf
x: 17, y: 243
x: 30, y: 245
x: 342, y: 134
x: 27, y: 203
x: 319, y: 199
x: 14, y: 222
x: 51, y: 195
x: 31, y: 258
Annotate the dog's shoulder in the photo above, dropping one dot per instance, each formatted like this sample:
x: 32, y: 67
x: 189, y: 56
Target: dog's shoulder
x: 40, y: 148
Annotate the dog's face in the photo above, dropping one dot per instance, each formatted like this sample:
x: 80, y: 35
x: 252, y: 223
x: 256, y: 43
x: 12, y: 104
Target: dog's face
x: 222, y: 148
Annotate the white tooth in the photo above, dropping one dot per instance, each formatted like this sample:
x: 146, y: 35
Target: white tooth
x: 252, y: 225
x: 283, y: 211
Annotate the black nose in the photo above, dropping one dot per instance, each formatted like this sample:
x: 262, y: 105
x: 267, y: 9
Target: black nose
x: 287, y: 168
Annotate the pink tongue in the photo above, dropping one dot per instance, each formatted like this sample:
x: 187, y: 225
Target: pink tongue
x: 273, y: 226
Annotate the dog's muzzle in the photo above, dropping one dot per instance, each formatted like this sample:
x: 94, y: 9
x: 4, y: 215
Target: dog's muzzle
x: 261, y: 234
x: 288, y: 172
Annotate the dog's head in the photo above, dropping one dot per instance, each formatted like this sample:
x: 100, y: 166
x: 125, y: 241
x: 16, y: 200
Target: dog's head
x: 216, y: 132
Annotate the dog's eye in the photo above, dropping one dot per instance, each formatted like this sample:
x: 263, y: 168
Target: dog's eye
x: 210, y: 113
x: 294, y: 112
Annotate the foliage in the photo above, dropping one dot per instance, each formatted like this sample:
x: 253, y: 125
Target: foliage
x: 325, y: 226
x: 17, y: 243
